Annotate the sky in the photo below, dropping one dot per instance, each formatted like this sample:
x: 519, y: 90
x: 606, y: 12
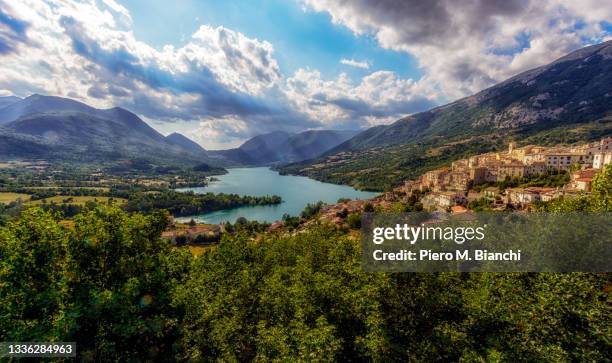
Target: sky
x: 221, y: 72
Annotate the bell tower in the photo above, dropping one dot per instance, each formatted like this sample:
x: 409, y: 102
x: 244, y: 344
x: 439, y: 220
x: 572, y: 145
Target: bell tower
x: 511, y: 147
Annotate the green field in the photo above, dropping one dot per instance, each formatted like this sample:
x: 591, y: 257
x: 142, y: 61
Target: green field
x: 79, y: 200
x: 102, y: 189
x: 7, y: 197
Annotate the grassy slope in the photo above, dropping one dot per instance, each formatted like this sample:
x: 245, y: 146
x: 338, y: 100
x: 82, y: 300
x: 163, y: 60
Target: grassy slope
x: 8, y: 197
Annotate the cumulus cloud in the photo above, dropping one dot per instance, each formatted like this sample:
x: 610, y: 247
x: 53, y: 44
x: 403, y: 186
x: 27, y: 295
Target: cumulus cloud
x: 354, y: 63
x: 465, y: 46
x: 379, y: 97
x: 219, y: 87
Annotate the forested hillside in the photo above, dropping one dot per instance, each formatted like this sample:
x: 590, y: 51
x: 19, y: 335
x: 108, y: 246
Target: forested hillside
x: 108, y: 282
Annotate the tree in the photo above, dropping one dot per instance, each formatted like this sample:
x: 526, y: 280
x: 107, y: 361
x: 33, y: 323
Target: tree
x: 33, y: 290
x: 600, y: 199
x: 354, y: 220
x: 106, y: 283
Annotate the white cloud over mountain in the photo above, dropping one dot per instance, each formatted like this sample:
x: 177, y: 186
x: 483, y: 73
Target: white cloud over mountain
x: 380, y: 97
x: 221, y: 86
x: 465, y: 46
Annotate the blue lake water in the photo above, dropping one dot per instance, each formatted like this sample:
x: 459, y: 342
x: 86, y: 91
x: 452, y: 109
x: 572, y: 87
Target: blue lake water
x: 296, y: 191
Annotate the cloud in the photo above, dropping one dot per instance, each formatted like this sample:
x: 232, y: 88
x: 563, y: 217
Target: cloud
x: 465, y: 46
x: 354, y: 63
x: 221, y: 86
x: 119, y: 10
x: 218, y: 92
x: 12, y: 31
x: 379, y: 97
x: 84, y: 50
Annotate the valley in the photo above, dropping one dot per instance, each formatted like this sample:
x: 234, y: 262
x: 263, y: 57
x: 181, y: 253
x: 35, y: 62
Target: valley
x: 564, y: 102
x: 220, y: 181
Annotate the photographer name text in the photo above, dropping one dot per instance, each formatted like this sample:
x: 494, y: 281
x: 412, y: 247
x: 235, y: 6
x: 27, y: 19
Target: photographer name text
x: 458, y: 255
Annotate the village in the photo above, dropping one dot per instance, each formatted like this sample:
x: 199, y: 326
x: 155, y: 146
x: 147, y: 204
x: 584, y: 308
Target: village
x: 474, y: 179
x: 448, y: 187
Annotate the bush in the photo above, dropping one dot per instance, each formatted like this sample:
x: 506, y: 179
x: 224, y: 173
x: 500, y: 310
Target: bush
x: 354, y: 220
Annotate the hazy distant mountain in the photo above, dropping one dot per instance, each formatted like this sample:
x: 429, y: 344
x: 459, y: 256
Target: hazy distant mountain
x: 310, y: 144
x: 186, y: 143
x: 8, y: 100
x: 540, y: 105
x: 280, y: 147
x: 57, y: 127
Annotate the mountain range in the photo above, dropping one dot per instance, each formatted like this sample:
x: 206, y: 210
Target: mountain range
x: 568, y: 100
x: 282, y: 147
x: 63, y: 129
x: 57, y: 128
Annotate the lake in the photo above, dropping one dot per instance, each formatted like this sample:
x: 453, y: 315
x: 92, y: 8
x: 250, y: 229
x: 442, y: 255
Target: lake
x: 296, y: 191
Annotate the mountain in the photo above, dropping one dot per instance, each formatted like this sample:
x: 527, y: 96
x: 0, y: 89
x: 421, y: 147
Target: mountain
x: 310, y: 144
x: 567, y: 100
x: 185, y: 143
x: 40, y: 104
x: 59, y: 128
x: 22, y: 146
x: 8, y: 100
x: 281, y: 147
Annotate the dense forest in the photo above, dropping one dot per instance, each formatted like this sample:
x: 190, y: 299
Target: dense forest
x: 139, y: 199
x: 189, y: 203
x: 108, y: 282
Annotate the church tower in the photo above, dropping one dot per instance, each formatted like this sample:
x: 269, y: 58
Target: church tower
x: 511, y: 147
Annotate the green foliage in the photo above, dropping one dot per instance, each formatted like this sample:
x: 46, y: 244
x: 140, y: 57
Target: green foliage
x: 312, y: 301
x: 354, y: 220
x: 479, y: 205
x: 189, y: 203
x: 33, y: 285
x: 110, y: 284
x: 105, y: 283
x: 311, y: 210
x: 600, y: 199
x: 290, y: 221
x: 306, y: 298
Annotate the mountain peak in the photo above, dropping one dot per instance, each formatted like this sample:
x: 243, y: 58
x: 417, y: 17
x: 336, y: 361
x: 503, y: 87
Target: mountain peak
x: 66, y: 128
x: 184, y: 142
x: 282, y: 146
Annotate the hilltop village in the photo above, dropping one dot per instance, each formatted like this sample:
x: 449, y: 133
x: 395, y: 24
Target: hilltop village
x: 485, y: 181
x: 458, y: 184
